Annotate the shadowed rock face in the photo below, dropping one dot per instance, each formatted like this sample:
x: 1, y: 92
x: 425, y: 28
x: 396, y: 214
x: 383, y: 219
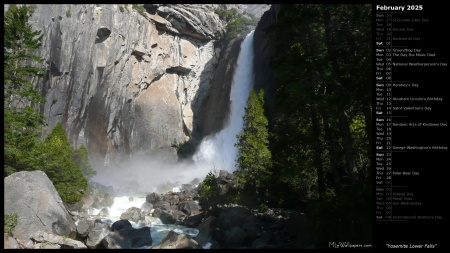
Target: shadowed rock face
x: 124, y: 84
x: 263, y: 52
x: 214, y: 112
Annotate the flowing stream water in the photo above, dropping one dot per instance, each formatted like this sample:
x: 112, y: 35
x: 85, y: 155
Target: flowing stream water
x: 158, y: 230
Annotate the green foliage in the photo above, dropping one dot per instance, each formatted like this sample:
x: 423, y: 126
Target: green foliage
x: 20, y: 41
x: 227, y: 15
x: 237, y: 24
x: 320, y: 134
x: 209, y: 192
x: 361, y: 143
x: 121, y: 8
x: 68, y: 13
x: 81, y: 158
x: 254, y: 157
x: 263, y: 208
x: 140, y: 9
x: 10, y: 222
x: 20, y: 137
x: 22, y: 121
x: 54, y: 157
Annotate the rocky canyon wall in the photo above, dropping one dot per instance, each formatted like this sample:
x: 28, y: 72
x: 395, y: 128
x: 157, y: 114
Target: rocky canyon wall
x: 125, y: 82
x: 128, y: 80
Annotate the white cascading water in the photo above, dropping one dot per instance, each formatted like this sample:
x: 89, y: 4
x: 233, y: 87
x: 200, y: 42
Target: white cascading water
x: 218, y: 151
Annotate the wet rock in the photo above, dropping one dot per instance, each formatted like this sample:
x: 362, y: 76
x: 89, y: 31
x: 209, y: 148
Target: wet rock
x: 132, y: 214
x: 175, y: 241
x: 164, y: 216
x: 96, y: 235
x: 152, y: 197
x: 189, y: 207
x: 205, y: 229
x: 84, y: 227
x: 121, y: 224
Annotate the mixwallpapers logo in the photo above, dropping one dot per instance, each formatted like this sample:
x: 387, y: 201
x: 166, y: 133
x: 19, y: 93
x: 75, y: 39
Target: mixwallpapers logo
x: 340, y: 245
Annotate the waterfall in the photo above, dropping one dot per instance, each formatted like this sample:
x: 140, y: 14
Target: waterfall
x: 218, y: 151
x: 214, y: 151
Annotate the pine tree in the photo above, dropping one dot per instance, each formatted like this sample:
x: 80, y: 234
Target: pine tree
x: 20, y: 41
x: 254, y: 157
x: 22, y: 120
x: 54, y: 157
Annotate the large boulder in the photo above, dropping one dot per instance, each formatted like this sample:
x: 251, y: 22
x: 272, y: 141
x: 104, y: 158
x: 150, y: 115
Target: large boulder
x: 178, y: 215
x: 152, y: 198
x: 43, y: 238
x: 205, y: 230
x: 193, y: 221
x: 32, y: 196
x: 128, y: 238
x: 133, y: 214
x: 84, y: 226
x: 175, y: 241
x: 96, y: 235
x: 164, y: 216
x: 163, y: 205
x: 236, y: 237
x: 147, y: 206
x: 189, y: 207
x: 103, y: 196
x: 233, y: 217
x: 121, y: 224
x: 171, y: 198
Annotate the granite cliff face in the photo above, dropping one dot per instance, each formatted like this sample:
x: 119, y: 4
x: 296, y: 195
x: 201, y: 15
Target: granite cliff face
x: 125, y: 82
